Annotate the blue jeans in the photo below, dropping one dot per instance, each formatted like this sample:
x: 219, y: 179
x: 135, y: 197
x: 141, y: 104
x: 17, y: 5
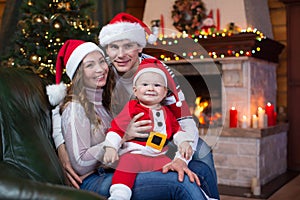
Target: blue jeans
x: 151, y: 185
x: 203, y: 153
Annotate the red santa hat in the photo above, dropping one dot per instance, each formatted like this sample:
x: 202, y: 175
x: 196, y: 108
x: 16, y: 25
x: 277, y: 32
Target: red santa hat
x: 69, y: 57
x: 125, y: 26
x: 154, y: 65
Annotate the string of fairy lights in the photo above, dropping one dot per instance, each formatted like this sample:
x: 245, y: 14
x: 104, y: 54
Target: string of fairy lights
x: 174, y: 39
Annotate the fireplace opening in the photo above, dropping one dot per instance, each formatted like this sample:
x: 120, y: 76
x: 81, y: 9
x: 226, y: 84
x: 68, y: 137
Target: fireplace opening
x: 204, y: 97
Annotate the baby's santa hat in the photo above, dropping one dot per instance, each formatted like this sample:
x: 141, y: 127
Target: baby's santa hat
x: 69, y: 57
x: 125, y: 26
x: 154, y: 65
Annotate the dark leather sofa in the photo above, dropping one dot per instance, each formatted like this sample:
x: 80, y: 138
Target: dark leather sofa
x: 29, y: 166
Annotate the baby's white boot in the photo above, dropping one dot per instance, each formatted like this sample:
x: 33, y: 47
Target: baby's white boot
x: 119, y: 192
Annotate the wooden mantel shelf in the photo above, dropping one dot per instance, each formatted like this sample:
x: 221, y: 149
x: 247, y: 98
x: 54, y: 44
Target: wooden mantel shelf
x: 269, y: 49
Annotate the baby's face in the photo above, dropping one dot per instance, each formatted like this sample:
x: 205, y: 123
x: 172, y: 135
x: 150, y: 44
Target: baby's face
x: 150, y: 88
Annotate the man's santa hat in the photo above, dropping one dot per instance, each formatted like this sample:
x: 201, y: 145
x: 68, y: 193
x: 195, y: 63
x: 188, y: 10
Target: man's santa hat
x: 155, y: 66
x: 69, y: 57
x: 125, y: 26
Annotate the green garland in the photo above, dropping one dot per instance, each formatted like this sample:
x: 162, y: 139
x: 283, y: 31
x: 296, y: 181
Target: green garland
x: 187, y: 15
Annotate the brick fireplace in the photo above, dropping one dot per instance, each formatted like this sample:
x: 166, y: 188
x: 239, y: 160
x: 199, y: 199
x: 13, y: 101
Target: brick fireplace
x: 240, y: 154
x: 245, y: 82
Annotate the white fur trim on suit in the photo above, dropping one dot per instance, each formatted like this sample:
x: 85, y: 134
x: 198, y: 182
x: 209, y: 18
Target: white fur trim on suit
x: 119, y: 192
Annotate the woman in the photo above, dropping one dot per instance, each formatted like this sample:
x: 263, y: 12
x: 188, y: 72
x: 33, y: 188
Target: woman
x: 85, y: 119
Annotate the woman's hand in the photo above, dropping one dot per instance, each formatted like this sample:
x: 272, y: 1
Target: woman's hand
x: 73, y: 178
x: 181, y: 168
x: 135, y: 128
x: 110, y: 155
x: 185, y: 150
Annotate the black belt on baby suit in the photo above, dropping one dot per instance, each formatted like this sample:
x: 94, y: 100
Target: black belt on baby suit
x: 155, y: 140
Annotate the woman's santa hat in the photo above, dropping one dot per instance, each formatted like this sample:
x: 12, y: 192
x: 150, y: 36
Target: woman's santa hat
x: 125, y: 26
x: 154, y: 65
x: 69, y: 57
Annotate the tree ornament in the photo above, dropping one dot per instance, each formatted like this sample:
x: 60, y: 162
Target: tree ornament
x: 188, y: 15
x: 34, y: 59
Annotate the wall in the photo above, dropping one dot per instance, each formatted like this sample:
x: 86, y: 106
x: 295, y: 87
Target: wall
x: 246, y: 13
x: 278, y: 20
x: 2, y: 6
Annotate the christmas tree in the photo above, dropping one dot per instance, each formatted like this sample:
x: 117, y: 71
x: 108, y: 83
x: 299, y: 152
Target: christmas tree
x: 44, y: 27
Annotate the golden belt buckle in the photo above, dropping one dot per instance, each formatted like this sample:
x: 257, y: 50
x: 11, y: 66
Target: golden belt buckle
x: 156, y: 140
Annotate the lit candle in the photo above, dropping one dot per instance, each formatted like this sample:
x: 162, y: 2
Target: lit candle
x: 233, y: 118
x: 254, y: 121
x: 270, y: 114
x: 244, y: 122
x: 261, y: 117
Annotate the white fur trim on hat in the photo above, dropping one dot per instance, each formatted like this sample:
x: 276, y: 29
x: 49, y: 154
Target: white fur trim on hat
x: 78, y: 54
x: 56, y: 93
x: 155, y: 70
x: 122, y: 31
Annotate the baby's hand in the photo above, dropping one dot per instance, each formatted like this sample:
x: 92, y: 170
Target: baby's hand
x: 185, y: 150
x: 110, y: 155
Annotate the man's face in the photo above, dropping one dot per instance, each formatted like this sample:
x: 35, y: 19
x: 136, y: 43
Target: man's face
x: 124, y: 54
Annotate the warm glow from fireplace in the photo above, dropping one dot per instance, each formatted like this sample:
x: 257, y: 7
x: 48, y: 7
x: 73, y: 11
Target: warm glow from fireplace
x: 202, y: 111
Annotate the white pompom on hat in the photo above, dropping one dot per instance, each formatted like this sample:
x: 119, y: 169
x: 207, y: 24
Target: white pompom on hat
x: 69, y: 57
x: 125, y: 26
x: 156, y: 66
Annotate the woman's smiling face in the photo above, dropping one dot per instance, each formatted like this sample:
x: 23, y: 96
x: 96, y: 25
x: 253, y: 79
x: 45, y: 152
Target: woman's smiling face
x: 95, y: 70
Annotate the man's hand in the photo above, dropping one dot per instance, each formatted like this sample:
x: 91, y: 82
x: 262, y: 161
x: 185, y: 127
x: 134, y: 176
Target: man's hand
x: 135, y: 128
x: 73, y: 178
x: 110, y: 155
x: 181, y: 168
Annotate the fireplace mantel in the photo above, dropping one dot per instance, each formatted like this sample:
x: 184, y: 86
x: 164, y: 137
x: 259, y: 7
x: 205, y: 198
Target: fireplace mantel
x: 265, y: 48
